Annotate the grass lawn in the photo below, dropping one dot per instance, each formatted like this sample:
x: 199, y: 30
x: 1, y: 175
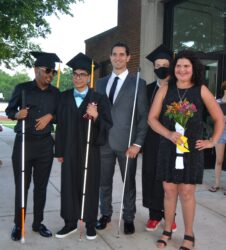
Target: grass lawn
x: 8, y: 124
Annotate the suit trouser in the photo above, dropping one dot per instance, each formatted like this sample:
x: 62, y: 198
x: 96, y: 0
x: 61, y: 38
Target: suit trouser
x: 38, y: 159
x: 108, y: 161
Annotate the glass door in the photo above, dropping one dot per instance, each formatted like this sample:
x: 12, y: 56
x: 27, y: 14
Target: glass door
x: 211, y: 74
x: 213, y: 71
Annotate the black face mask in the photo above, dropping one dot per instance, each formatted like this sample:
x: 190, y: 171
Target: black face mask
x: 162, y: 72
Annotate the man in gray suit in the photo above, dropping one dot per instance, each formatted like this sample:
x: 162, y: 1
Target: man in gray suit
x: 119, y: 86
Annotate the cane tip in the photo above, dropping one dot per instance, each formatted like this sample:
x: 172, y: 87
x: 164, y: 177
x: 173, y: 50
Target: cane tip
x: 118, y: 236
x: 22, y: 240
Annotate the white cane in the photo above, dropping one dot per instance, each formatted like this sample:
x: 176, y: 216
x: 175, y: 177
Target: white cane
x: 23, y: 175
x: 129, y: 144
x: 87, y: 157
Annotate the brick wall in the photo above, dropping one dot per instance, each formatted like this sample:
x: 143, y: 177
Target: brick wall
x: 128, y: 31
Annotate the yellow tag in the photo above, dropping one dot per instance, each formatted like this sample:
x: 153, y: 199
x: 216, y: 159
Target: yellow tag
x: 184, y: 146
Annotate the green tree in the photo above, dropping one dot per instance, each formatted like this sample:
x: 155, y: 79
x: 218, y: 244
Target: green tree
x: 8, y: 82
x: 23, y: 20
x: 65, y: 80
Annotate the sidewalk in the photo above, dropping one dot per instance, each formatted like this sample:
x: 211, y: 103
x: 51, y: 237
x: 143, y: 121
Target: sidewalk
x: 210, y: 221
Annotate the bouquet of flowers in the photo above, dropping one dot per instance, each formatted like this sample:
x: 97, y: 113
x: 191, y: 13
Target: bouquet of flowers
x: 180, y: 113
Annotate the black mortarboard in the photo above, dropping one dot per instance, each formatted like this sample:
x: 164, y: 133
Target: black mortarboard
x: 81, y: 61
x: 160, y: 52
x: 45, y: 59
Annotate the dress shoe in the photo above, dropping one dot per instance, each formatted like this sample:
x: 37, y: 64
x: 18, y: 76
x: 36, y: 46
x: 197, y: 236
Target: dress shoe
x: 16, y: 233
x: 129, y: 228
x: 42, y: 230
x: 102, y: 222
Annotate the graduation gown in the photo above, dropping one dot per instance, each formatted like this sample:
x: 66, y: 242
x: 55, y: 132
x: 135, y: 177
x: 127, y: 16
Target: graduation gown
x: 152, y: 190
x: 71, y: 141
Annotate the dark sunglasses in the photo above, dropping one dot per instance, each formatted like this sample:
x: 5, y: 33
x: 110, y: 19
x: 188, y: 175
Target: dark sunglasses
x: 48, y: 71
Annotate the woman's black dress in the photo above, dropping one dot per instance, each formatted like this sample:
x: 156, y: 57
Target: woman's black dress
x: 194, y: 160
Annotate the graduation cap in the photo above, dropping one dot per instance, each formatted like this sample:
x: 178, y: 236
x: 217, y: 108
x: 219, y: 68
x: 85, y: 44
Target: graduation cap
x: 81, y: 61
x: 161, y: 52
x: 44, y: 59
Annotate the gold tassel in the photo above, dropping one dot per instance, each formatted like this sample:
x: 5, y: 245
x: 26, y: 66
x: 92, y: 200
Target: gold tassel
x: 92, y: 75
x: 58, y: 77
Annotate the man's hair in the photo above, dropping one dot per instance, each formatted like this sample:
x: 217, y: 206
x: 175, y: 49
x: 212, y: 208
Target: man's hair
x: 123, y: 45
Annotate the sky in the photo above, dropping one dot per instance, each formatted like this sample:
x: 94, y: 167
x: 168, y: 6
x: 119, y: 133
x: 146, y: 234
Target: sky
x: 91, y: 17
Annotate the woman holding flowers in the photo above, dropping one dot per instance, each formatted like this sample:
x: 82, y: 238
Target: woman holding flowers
x: 177, y: 115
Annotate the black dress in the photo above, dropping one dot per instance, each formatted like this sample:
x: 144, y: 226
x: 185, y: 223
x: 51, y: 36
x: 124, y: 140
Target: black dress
x: 152, y: 189
x: 194, y: 160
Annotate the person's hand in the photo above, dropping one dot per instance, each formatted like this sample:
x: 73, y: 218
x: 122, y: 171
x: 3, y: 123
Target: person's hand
x: 202, y: 144
x: 92, y: 111
x: 60, y: 159
x: 43, y: 121
x: 174, y: 137
x: 22, y: 114
x: 132, y: 151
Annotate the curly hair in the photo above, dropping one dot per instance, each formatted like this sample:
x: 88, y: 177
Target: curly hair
x: 198, y: 68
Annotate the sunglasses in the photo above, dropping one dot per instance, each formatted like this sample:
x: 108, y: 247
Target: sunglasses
x: 48, y: 71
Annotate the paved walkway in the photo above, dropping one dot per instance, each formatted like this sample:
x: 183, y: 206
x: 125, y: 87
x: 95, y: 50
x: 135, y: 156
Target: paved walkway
x: 210, y: 223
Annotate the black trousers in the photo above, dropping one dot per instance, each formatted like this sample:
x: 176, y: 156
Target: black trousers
x: 156, y: 214
x: 38, y: 162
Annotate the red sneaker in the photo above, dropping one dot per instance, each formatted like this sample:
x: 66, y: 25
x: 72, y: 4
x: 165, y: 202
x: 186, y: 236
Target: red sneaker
x: 152, y: 225
x: 174, y: 227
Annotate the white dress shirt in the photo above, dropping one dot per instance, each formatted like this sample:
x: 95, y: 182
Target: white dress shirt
x: 121, y: 80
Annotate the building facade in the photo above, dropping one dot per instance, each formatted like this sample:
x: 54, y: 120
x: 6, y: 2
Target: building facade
x: 199, y: 25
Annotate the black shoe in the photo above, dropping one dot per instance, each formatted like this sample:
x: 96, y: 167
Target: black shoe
x: 42, y: 230
x: 102, y: 222
x: 65, y: 231
x: 90, y: 232
x: 129, y: 228
x: 16, y: 233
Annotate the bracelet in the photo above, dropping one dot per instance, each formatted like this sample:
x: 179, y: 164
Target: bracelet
x: 213, y: 142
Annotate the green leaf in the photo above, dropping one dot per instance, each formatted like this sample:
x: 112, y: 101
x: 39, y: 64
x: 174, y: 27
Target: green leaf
x: 23, y: 20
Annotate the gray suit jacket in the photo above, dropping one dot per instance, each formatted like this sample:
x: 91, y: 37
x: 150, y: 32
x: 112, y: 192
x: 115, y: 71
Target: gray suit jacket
x: 122, y: 113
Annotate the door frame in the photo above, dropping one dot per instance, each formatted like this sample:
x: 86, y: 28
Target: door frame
x: 216, y: 56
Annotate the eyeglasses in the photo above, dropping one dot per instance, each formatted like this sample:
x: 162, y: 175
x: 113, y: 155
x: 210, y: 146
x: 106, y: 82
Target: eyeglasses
x: 81, y: 75
x: 48, y: 71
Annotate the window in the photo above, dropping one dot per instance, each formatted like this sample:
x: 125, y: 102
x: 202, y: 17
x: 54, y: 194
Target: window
x: 199, y: 25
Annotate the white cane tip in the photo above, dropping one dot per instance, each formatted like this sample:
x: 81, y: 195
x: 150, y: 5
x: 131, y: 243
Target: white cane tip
x: 22, y: 240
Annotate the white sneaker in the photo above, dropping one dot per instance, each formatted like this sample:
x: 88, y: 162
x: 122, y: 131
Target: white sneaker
x: 65, y: 231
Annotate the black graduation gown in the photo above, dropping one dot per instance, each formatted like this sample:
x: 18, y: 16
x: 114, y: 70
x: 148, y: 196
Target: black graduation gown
x: 71, y: 141
x: 152, y: 190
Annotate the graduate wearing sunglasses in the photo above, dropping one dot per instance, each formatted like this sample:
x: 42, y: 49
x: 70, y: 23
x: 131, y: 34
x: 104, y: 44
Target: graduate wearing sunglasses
x: 38, y: 111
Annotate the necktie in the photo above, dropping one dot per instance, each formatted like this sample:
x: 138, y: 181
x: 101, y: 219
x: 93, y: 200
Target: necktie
x: 112, y: 90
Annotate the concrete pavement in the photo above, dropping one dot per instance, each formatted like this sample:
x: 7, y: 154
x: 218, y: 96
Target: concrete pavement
x: 210, y: 221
